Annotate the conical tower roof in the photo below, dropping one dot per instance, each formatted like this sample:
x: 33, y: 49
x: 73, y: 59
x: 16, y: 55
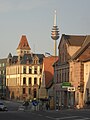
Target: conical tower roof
x: 23, y: 43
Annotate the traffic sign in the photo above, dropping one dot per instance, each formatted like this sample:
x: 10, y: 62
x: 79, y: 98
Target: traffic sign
x: 71, y: 89
x: 35, y: 103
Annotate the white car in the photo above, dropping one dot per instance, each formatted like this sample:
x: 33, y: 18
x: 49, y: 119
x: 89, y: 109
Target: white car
x: 21, y: 108
x: 3, y: 107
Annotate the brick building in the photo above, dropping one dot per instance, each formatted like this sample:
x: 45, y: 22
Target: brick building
x: 71, y: 81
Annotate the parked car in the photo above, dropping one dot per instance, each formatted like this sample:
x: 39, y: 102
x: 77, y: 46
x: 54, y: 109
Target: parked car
x: 21, y: 108
x: 3, y: 107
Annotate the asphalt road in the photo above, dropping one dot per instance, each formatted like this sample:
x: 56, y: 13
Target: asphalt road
x: 11, y: 105
x: 46, y: 115
x: 14, y: 114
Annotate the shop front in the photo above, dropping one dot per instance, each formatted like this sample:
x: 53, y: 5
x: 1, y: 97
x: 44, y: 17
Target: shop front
x: 65, y: 96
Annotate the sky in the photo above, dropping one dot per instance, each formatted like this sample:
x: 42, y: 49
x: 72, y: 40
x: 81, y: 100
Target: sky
x: 34, y: 18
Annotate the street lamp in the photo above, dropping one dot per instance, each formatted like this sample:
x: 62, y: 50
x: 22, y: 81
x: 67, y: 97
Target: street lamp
x: 55, y: 37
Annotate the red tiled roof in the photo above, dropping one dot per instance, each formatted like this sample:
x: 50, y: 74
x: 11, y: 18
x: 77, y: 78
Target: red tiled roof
x: 48, y: 68
x: 23, y: 43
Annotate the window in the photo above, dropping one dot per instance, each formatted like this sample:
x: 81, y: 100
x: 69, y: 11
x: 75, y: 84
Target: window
x: 35, y: 70
x: 57, y: 76
x: 24, y: 69
x: 1, y: 71
x: 30, y: 70
x: 35, y: 61
x: 39, y: 82
x: 24, y: 80
x: 66, y: 79
x: 60, y: 75
x: 3, y: 64
x: 29, y: 90
x: 30, y: 80
x: 24, y: 90
x: 35, y: 80
x: 35, y: 93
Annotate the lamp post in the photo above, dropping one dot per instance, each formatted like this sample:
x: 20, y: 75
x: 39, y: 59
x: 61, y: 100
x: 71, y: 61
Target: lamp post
x: 55, y: 37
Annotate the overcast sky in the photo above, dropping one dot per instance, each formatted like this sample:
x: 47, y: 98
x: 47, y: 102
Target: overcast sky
x: 34, y: 18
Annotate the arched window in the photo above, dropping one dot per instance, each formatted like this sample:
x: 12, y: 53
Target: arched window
x: 30, y: 80
x: 35, y: 80
x: 24, y: 80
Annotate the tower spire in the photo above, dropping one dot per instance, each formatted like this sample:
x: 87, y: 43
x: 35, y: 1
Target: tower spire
x: 55, y: 34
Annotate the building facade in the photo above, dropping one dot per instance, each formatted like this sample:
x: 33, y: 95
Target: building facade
x: 23, y: 72
x: 3, y: 78
x: 47, y: 88
x: 70, y: 71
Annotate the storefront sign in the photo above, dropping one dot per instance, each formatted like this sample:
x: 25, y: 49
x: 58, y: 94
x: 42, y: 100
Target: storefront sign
x: 66, y: 84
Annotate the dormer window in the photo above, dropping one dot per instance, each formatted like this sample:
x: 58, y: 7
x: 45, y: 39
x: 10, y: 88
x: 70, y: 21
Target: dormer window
x: 35, y: 61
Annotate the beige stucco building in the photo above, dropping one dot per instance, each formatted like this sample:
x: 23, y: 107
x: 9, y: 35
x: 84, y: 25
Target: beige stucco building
x: 23, y: 72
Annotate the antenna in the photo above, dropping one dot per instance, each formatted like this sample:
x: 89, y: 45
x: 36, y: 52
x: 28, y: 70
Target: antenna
x: 55, y: 18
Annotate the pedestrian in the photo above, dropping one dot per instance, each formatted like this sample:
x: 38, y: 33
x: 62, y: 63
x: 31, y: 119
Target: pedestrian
x: 47, y: 106
x: 26, y: 104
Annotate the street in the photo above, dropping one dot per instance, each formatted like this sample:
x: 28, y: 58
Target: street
x: 65, y: 114
x: 46, y: 115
